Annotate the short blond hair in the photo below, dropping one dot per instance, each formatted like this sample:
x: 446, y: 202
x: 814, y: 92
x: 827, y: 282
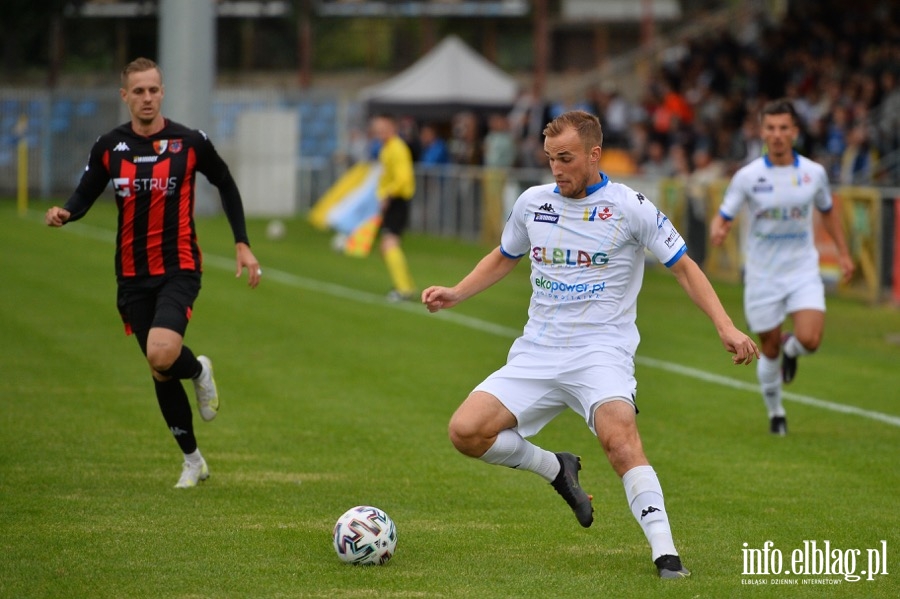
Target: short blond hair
x: 139, y: 65
x: 584, y: 123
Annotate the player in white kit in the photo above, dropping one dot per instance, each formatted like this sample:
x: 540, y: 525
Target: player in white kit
x: 585, y: 238
x: 781, y: 274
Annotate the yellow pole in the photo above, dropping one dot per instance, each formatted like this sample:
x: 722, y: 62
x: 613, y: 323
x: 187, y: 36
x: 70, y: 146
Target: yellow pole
x: 492, y: 204
x: 22, y: 197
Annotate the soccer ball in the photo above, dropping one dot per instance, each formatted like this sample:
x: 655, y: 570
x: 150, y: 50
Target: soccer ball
x: 339, y: 242
x: 275, y: 230
x: 365, y: 535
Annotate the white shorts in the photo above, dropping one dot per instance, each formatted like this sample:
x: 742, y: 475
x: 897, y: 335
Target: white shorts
x: 767, y: 304
x: 539, y: 382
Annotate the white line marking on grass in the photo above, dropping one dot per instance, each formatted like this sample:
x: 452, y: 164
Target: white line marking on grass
x: 501, y: 331
x: 370, y: 298
x: 91, y: 232
x: 735, y: 384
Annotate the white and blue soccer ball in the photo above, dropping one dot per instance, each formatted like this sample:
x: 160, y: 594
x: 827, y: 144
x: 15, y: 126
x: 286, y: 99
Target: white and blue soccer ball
x: 365, y: 535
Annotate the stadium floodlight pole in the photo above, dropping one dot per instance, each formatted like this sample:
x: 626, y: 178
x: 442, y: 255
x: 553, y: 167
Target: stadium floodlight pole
x: 187, y: 51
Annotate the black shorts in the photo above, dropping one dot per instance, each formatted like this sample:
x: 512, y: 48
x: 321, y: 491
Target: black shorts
x: 396, y: 216
x: 165, y: 302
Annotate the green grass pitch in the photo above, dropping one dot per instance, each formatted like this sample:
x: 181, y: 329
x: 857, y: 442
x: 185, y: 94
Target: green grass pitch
x: 332, y: 397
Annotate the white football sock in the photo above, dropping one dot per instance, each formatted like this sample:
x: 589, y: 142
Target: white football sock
x: 793, y: 348
x: 513, y: 451
x: 645, y: 498
x: 194, y: 458
x: 768, y: 372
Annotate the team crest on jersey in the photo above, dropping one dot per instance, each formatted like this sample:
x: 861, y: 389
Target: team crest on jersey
x: 175, y: 146
x: 160, y: 145
x: 592, y: 214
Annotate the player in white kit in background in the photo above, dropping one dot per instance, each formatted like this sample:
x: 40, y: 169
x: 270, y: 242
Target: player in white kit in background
x: 781, y: 275
x: 585, y: 238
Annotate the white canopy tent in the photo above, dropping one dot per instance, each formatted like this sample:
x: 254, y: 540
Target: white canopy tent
x: 450, y: 78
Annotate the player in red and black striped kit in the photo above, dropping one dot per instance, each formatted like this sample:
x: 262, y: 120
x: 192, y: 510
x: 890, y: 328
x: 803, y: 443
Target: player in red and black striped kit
x: 153, y: 164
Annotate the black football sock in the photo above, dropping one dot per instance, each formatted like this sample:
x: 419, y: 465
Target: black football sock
x: 185, y: 366
x: 176, y: 410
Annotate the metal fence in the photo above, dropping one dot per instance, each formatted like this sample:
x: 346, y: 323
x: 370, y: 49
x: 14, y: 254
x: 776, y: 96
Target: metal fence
x: 58, y: 127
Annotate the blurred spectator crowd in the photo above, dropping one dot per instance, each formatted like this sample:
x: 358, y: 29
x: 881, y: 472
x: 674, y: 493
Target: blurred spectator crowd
x: 839, y: 67
x: 699, y: 109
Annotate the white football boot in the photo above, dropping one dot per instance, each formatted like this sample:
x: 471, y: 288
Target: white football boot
x: 191, y: 474
x: 205, y: 387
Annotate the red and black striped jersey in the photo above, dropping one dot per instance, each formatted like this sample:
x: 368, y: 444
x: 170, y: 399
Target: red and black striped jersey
x: 154, y: 182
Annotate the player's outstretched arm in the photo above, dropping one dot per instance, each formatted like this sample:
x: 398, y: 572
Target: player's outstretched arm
x: 488, y: 271
x: 699, y: 289
x: 246, y: 259
x: 56, y: 216
x: 437, y: 298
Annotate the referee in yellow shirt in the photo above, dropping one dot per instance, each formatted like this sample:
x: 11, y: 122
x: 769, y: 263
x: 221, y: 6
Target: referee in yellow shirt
x: 396, y: 187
